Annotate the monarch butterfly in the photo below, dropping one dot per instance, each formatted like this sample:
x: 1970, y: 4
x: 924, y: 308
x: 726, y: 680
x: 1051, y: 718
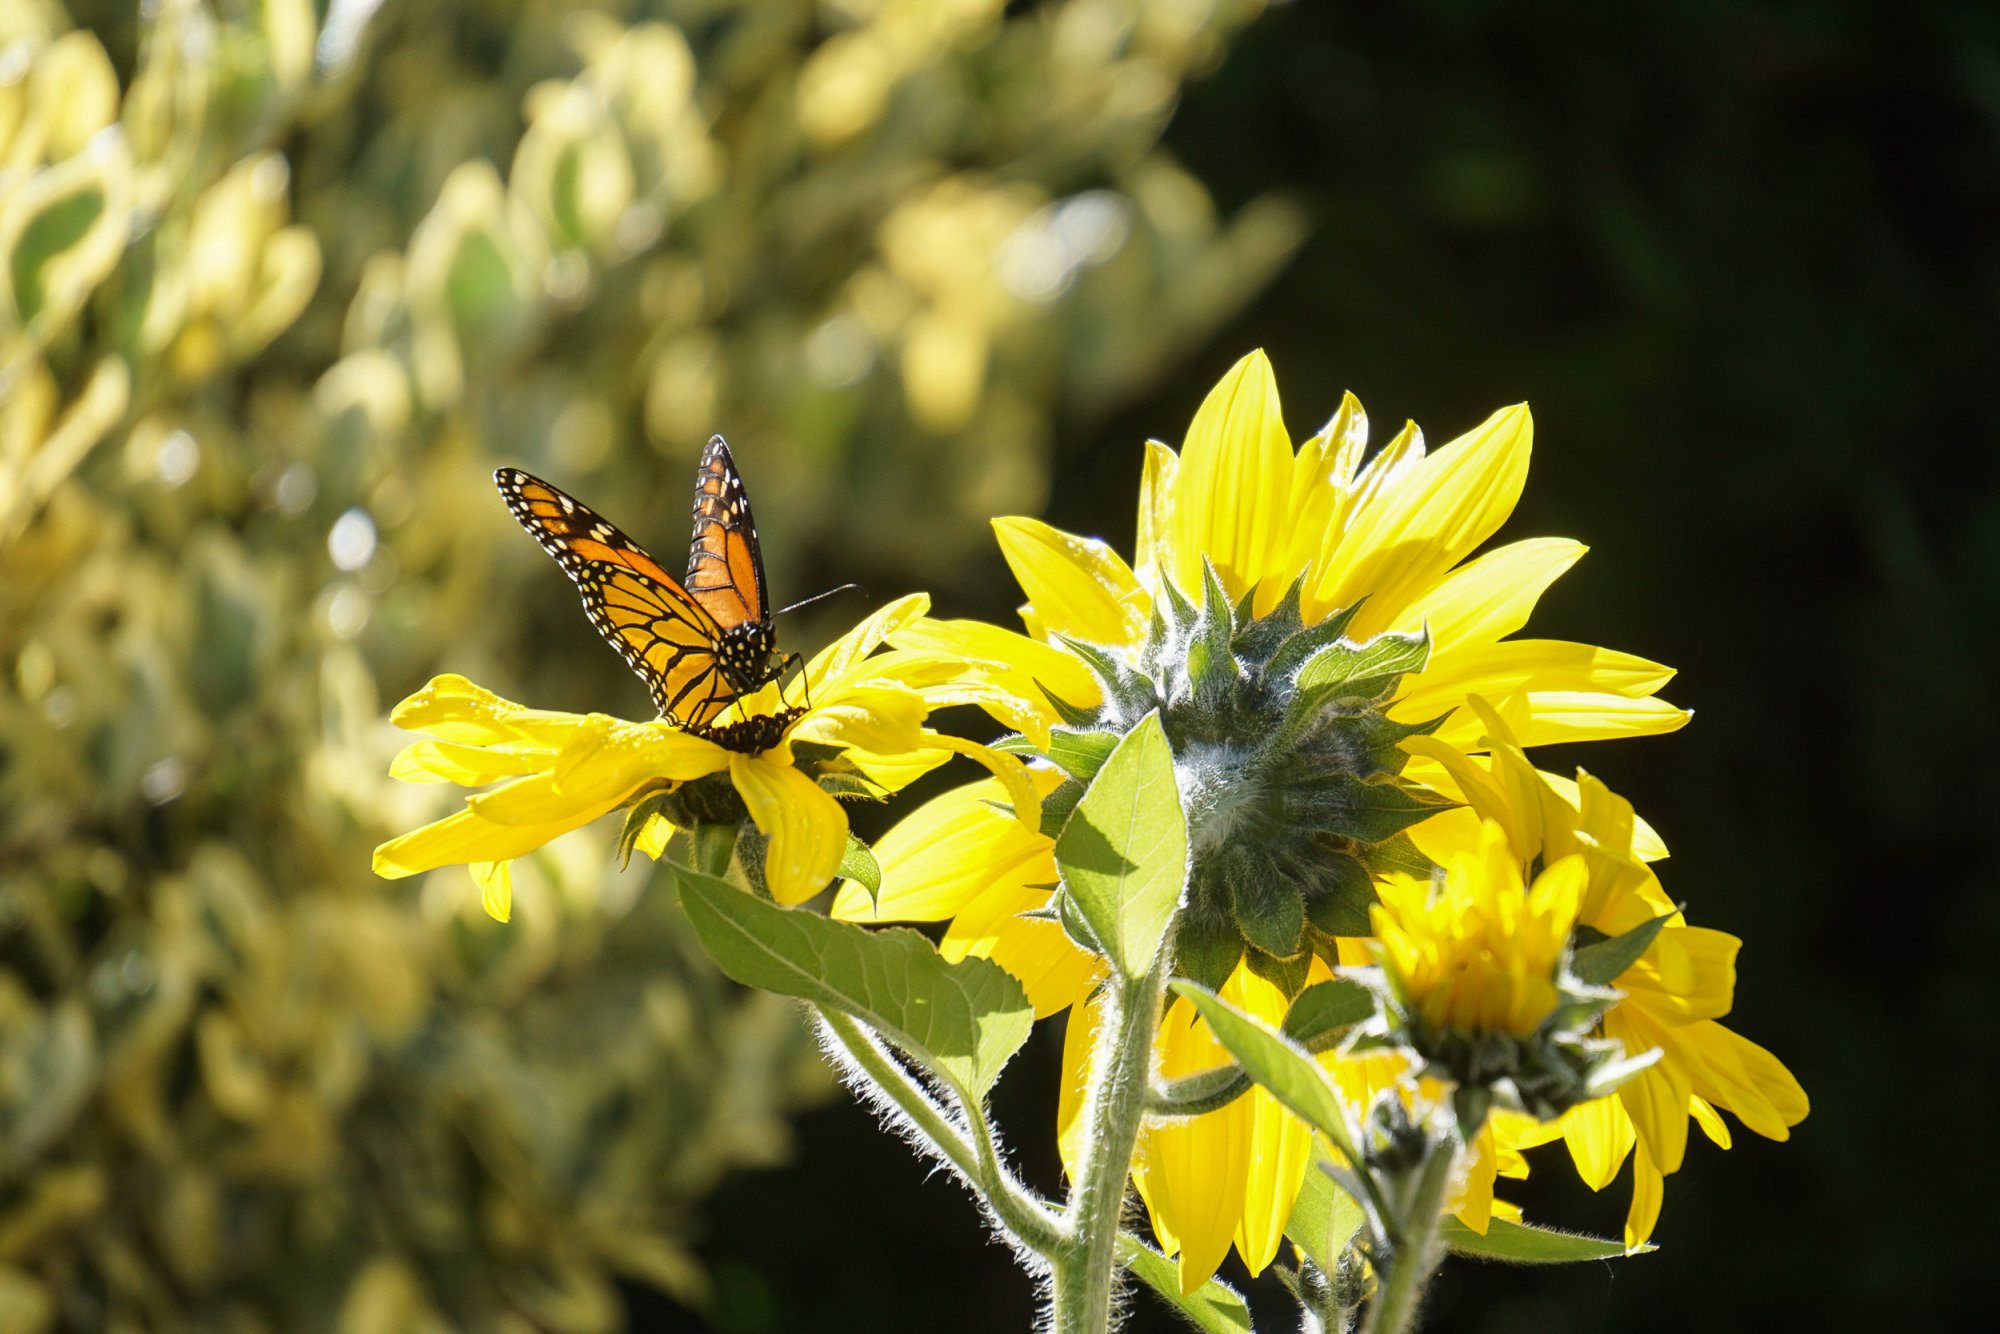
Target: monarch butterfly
x: 698, y: 643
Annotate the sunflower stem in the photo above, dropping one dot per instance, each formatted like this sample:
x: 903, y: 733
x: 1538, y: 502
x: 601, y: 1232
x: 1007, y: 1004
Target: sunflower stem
x: 1416, y: 1229
x: 972, y: 1155
x: 1085, y: 1273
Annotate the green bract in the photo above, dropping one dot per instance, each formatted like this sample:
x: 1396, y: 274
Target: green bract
x: 1287, y: 765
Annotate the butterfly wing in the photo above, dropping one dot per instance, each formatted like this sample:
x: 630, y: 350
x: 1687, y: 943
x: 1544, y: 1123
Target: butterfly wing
x: 725, y: 565
x: 668, y: 637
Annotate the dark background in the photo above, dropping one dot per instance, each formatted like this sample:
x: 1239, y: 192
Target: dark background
x: 1741, y: 261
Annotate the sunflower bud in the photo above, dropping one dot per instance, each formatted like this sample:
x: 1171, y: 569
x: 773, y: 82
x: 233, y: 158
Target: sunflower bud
x: 1476, y: 971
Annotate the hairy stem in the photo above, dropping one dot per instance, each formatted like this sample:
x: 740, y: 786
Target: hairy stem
x: 1417, y: 1227
x: 1121, y: 1068
x: 971, y: 1153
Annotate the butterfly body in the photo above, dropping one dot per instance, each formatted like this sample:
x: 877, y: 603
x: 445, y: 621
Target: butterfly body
x: 699, y: 643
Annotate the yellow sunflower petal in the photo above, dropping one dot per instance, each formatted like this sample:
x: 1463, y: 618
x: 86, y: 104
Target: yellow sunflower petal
x: 430, y: 761
x: 940, y: 856
x: 496, y: 888
x: 1689, y: 973
x: 1489, y: 598
x: 1231, y: 498
x: 1321, y: 476
x: 1648, y: 1192
x: 464, y: 837
x: 806, y: 827
x: 1599, y: 1135
x: 1657, y: 1099
x: 654, y: 836
x: 1079, y: 587
x: 831, y: 663
x: 1279, y: 1144
x: 1196, y: 1169
x: 1079, y: 1039
x: 1022, y: 793
x: 1152, y: 551
x: 1733, y: 1072
x: 1429, y: 521
x: 455, y: 709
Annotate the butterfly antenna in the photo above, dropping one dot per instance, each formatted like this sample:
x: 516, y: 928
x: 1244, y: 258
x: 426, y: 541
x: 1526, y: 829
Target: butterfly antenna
x: 807, y: 602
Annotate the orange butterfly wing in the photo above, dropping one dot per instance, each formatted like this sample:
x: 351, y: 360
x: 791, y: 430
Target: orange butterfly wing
x: 672, y: 640
x: 725, y: 566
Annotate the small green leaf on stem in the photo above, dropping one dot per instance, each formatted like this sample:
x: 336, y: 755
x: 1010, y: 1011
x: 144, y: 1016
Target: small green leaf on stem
x: 1518, y: 1243
x: 1213, y: 1307
x: 1123, y: 854
x: 962, y: 1020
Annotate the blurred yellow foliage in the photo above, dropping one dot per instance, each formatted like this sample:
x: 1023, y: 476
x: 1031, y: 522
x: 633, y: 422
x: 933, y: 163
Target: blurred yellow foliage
x: 279, y: 284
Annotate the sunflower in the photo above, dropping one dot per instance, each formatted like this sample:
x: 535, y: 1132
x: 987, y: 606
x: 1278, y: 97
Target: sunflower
x: 861, y: 733
x: 1294, y: 616
x: 1672, y: 994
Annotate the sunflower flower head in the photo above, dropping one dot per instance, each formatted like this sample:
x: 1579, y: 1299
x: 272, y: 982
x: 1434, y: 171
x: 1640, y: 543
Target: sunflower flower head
x: 773, y: 770
x: 1288, y: 767
x: 1673, y: 982
x: 1475, y: 965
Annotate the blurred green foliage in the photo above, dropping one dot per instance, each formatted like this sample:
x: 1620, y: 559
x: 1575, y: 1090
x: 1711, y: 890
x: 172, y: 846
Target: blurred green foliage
x: 280, y: 282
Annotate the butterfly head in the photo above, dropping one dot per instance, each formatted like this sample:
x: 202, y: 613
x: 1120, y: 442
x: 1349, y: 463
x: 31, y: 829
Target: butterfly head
x: 744, y: 655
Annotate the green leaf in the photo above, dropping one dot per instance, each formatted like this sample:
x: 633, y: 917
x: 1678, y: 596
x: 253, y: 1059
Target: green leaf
x: 1600, y: 962
x: 1213, y: 1307
x: 963, y: 1020
x: 1325, y: 1010
x: 1123, y: 854
x: 1518, y: 1243
x: 1276, y: 1062
x: 859, y: 865
x: 60, y: 226
x: 1324, y: 1220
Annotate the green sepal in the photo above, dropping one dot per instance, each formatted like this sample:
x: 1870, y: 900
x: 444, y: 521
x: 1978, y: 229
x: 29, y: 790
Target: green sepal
x: 962, y: 1021
x: 1127, y: 692
x: 710, y: 846
x: 1359, y: 667
x: 1366, y: 810
x: 1073, y: 714
x: 1075, y: 925
x: 1080, y: 754
x: 1268, y: 910
x: 1340, y: 896
x: 1058, y: 805
x: 1259, y: 637
x: 1287, y: 975
x: 636, y: 819
x: 1212, y: 669
x: 1181, y: 615
x: 1400, y: 856
x: 1470, y: 1103
x: 1600, y: 959
x: 850, y: 787
x: 1321, y: 1014
x: 859, y: 865
x: 1521, y: 1244
x: 1213, y: 1308
x: 1300, y: 648
x: 1206, y: 949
